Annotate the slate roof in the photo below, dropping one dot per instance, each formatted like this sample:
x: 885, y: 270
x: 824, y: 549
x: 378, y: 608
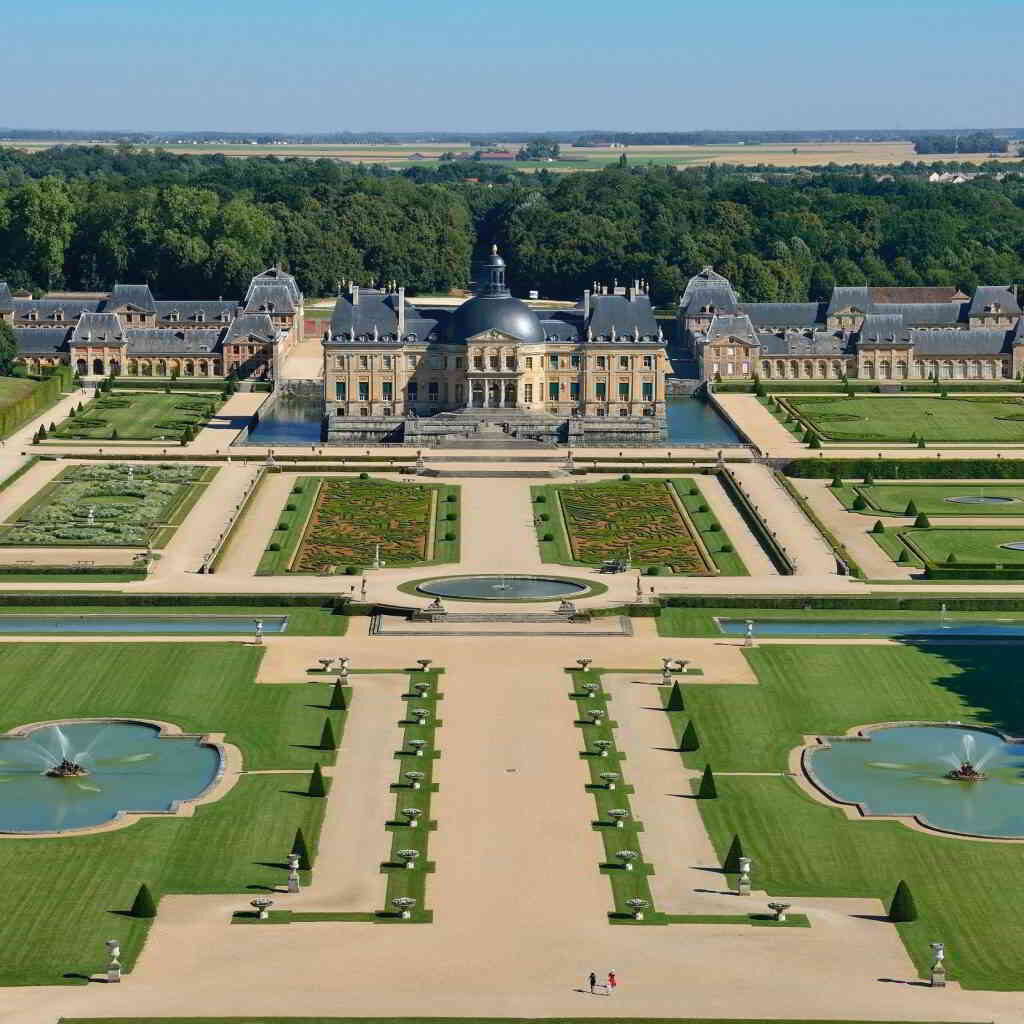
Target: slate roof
x: 884, y: 329
x: 708, y: 288
x: 985, y: 295
x: 784, y: 314
x: 137, y: 295
x: 797, y: 345
x: 857, y: 297
x: 258, y: 325
x: 212, y: 309
x: 915, y: 296
x: 164, y: 341
x: 728, y: 325
x: 925, y: 313
x: 6, y: 301
x: 277, y: 277
x: 38, y: 341
x: 953, y: 342
x: 377, y: 308
x: 97, y: 328
x: 262, y: 296
x: 627, y: 316
x: 46, y: 309
x: 557, y: 329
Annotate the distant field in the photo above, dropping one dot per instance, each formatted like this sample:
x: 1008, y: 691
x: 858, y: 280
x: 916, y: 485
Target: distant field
x: 776, y: 154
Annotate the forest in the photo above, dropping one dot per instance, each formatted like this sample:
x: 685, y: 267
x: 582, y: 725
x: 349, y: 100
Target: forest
x: 83, y: 218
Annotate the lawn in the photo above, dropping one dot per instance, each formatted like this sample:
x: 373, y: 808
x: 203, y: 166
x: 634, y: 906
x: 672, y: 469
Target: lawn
x: 138, y: 416
x: 108, y: 505
x: 968, y: 544
x: 76, y: 888
x: 933, y: 499
x: 875, y: 418
x: 802, y: 848
x: 644, y: 520
x: 336, y: 524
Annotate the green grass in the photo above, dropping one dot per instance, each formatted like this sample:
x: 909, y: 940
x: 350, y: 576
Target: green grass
x: 608, y: 519
x: 138, y: 416
x: 700, y: 621
x: 76, y: 888
x: 876, y: 418
x: 336, y: 523
x: 930, y: 498
x: 803, y: 848
x: 978, y: 544
x: 202, y: 687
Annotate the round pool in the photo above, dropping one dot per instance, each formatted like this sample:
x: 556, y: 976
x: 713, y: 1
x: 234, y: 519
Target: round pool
x: 981, y: 499
x: 1013, y: 545
x: 503, y: 588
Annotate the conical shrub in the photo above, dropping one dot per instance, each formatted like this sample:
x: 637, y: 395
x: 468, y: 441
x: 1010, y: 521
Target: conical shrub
x: 316, y: 782
x: 731, y: 864
x: 144, y: 905
x: 338, y: 697
x: 903, y: 907
x: 879, y: 527
x: 327, y: 740
x: 836, y: 483
x: 860, y: 503
x: 675, y: 699
x: 299, y: 846
x: 707, y: 790
x: 689, y: 741
x: 922, y: 522
x: 911, y: 509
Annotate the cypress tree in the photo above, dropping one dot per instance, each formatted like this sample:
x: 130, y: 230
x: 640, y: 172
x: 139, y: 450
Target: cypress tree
x: 879, y: 527
x: 903, y: 907
x: 815, y: 443
x: 860, y: 503
x: 707, y: 790
x: 675, y: 699
x: 904, y: 555
x: 731, y: 865
x: 327, y: 740
x: 921, y: 443
x: 689, y: 741
x: 869, y: 479
x: 144, y: 905
x: 922, y: 522
x: 911, y: 509
x: 299, y: 846
x: 316, y: 782
x: 951, y: 558
x: 42, y: 433
x: 836, y: 483
x: 337, y: 697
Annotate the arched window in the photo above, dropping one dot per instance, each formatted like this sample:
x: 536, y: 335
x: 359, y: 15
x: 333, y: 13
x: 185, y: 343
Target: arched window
x: 82, y: 367
x: 190, y: 368
x: 97, y: 367
x: 161, y: 368
x: 766, y: 368
x: 961, y: 369
x: 901, y: 370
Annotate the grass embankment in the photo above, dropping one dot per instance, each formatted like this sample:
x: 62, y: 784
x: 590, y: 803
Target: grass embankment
x: 335, y: 525
x: 138, y: 416
x: 957, y: 418
x: 932, y: 498
x: 590, y: 523
x: 802, y: 848
x: 76, y: 888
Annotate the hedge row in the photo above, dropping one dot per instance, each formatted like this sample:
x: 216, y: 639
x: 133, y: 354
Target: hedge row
x: 44, y: 394
x: 974, y: 572
x: 775, y: 386
x: 159, y: 384
x: 823, y: 603
x: 907, y: 469
x: 337, y: 604
x: 72, y: 570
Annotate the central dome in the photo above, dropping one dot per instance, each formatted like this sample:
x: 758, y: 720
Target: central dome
x: 495, y: 312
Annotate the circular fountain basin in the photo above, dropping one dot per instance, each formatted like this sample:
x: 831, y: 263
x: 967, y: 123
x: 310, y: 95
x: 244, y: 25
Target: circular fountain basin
x: 132, y: 768
x: 504, y: 588
x: 982, y: 499
x: 902, y: 770
x: 1014, y: 545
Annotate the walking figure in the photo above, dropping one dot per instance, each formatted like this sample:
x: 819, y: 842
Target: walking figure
x: 611, y: 982
x: 593, y: 982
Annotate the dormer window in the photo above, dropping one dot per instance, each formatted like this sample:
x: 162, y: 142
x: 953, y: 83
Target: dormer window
x: 200, y: 316
x: 58, y: 314
x: 173, y: 316
x: 32, y: 315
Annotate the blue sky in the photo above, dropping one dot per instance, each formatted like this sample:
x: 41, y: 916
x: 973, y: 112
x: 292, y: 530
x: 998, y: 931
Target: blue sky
x: 325, y: 65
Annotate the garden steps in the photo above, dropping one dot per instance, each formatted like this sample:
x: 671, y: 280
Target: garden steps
x: 469, y: 474
x: 502, y: 624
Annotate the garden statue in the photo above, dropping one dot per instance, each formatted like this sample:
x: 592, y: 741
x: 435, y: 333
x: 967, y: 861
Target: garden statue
x: 259, y: 631
x: 411, y: 814
x: 415, y: 779
x: 262, y: 905
x: 293, y: 872
x: 638, y: 906
x: 938, y: 972
x: 114, y: 963
x: 779, y: 909
x: 417, y: 746
x: 66, y: 770
x: 404, y: 905
x: 609, y: 779
x: 619, y: 816
x: 743, y: 882
x: 584, y: 663
x: 409, y: 856
x: 627, y: 857
x: 325, y: 663
x: 749, y: 639
x: 424, y: 663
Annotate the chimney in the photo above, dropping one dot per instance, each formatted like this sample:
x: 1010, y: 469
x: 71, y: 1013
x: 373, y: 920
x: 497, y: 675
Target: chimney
x: 401, y: 312
x: 586, y: 305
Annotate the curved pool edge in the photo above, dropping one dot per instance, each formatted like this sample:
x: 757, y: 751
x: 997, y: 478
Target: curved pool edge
x: 800, y: 771
x: 592, y: 588
x: 229, y: 770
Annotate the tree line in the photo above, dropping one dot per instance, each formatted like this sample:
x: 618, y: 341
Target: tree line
x: 968, y: 142
x: 84, y: 218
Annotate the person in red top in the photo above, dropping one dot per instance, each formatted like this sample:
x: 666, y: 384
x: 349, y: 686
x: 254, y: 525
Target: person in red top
x: 612, y: 982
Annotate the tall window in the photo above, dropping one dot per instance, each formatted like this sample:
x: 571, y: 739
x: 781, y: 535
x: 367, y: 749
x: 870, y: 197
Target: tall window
x: 339, y: 391
x: 574, y: 360
x: 432, y: 391
x: 528, y: 392
x: 385, y: 390
x: 624, y: 390
x: 648, y: 362
x: 623, y: 362
x: 601, y: 391
x: 648, y: 391
x: 574, y: 390
x: 553, y: 361
x: 364, y: 362
x: 412, y: 390
x: 553, y: 391
x: 364, y: 391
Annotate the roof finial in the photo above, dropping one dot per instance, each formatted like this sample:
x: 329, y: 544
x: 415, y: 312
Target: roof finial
x: 494, y: 248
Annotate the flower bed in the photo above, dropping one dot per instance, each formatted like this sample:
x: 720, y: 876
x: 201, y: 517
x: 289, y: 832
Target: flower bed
x: 104, y: 505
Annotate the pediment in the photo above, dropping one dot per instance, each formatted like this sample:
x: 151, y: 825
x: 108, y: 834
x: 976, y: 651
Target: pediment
x: 492, y: 334
x: 849, y: 311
